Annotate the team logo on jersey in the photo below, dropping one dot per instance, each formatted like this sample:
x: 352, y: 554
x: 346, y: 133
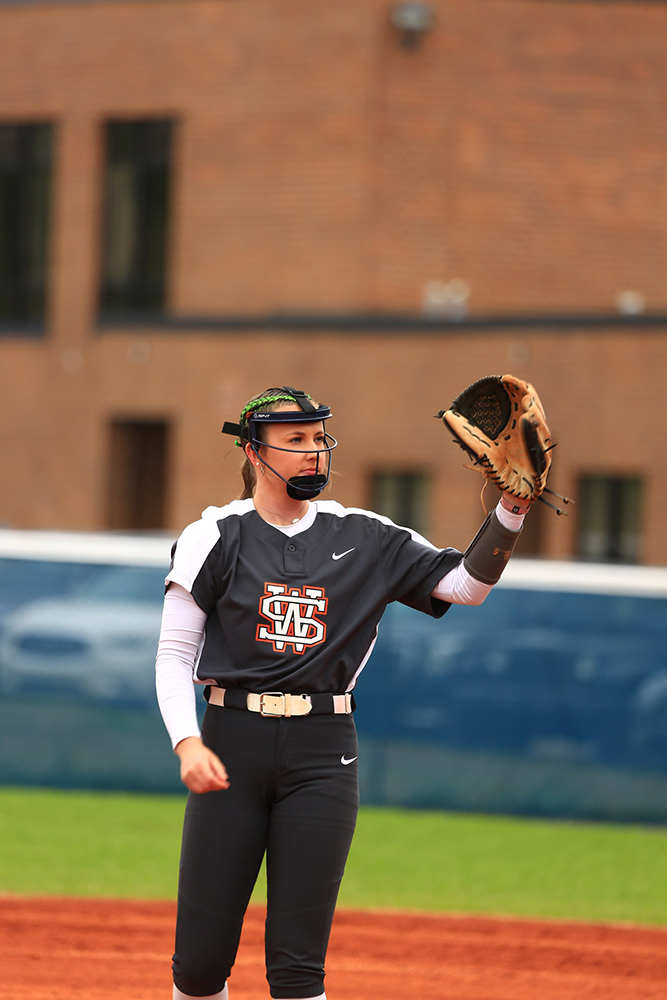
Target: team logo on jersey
x: 292, y: 615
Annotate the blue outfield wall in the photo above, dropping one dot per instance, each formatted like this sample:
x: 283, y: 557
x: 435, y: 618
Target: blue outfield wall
x: 550, y: 699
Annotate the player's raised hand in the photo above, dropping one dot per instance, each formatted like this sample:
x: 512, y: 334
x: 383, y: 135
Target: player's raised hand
x: 201, y: 769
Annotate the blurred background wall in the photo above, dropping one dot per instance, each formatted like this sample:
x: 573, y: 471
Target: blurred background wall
x: 376, y: 202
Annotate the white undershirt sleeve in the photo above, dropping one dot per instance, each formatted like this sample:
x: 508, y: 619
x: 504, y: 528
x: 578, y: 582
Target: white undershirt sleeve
x: 458, y: 586
x: 513, y: 522
x: 181, y: 636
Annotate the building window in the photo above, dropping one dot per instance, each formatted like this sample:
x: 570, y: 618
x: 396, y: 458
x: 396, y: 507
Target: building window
x: 609, y: 518
x: 25, y: 169
x: 402, y: 496
x: 136, y: 219
x: 138, y: 475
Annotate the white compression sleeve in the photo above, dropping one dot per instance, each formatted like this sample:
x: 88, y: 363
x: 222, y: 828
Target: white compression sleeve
x: 458, y: 586
x: 181, y: 635
x: 513, y: 522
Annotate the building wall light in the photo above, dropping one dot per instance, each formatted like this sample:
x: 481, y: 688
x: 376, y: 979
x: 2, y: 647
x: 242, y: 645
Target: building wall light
x: 412, y: 21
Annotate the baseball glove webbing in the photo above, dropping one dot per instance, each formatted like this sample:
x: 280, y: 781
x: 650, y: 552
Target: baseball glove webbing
x: 499, y: 422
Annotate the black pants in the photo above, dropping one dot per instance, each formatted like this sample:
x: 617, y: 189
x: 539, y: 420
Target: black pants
x: 292, y: 797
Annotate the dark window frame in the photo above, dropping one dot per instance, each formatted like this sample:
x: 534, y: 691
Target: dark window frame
x: 26, y: 215
x: 139, y: 450
x: 407, y: 480
x: 611, y: 504
x: 136, y: 218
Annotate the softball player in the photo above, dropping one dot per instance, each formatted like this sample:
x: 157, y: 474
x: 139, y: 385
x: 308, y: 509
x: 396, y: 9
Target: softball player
x: 273, y: 602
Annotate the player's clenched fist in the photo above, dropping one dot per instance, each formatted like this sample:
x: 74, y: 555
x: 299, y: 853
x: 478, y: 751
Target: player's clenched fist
x: 201, y: 769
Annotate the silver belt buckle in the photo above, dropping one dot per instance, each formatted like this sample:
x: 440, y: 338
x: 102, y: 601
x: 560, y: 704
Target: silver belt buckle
x: 275, y: 706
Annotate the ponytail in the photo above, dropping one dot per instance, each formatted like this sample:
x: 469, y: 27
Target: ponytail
x: 249, y: 479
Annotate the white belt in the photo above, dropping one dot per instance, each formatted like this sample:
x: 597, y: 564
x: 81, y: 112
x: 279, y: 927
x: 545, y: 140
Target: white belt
x: 276, y: 704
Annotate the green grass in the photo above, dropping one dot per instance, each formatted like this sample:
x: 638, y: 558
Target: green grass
x: 126, y: 845
x: 89, y: 843
x: 496, y: 864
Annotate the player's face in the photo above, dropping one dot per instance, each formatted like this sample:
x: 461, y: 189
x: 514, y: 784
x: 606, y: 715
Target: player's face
x: 301, y: 442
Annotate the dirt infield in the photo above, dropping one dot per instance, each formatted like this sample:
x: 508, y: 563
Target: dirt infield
x: 70, y: 949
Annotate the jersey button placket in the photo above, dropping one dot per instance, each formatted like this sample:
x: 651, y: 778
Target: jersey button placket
x: 293, y: 560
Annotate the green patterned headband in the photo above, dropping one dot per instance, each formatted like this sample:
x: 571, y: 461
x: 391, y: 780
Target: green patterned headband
x: 251, y: 412
x: 255, y: 404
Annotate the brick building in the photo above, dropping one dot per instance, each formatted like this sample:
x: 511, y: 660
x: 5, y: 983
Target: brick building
x: 200, y: 198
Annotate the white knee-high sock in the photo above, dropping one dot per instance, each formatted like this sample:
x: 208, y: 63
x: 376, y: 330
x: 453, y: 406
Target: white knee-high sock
x: 222, y: 995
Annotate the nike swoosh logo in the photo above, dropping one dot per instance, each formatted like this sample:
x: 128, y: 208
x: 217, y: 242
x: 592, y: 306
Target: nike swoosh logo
x: 346, y: 553
x: 343, y: 759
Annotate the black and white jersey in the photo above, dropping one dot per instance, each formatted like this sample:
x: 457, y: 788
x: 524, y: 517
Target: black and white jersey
x: 300, y: 614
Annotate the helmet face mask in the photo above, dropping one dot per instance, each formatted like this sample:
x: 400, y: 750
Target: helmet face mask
x: 302, y: 487
x: 248, y: 432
